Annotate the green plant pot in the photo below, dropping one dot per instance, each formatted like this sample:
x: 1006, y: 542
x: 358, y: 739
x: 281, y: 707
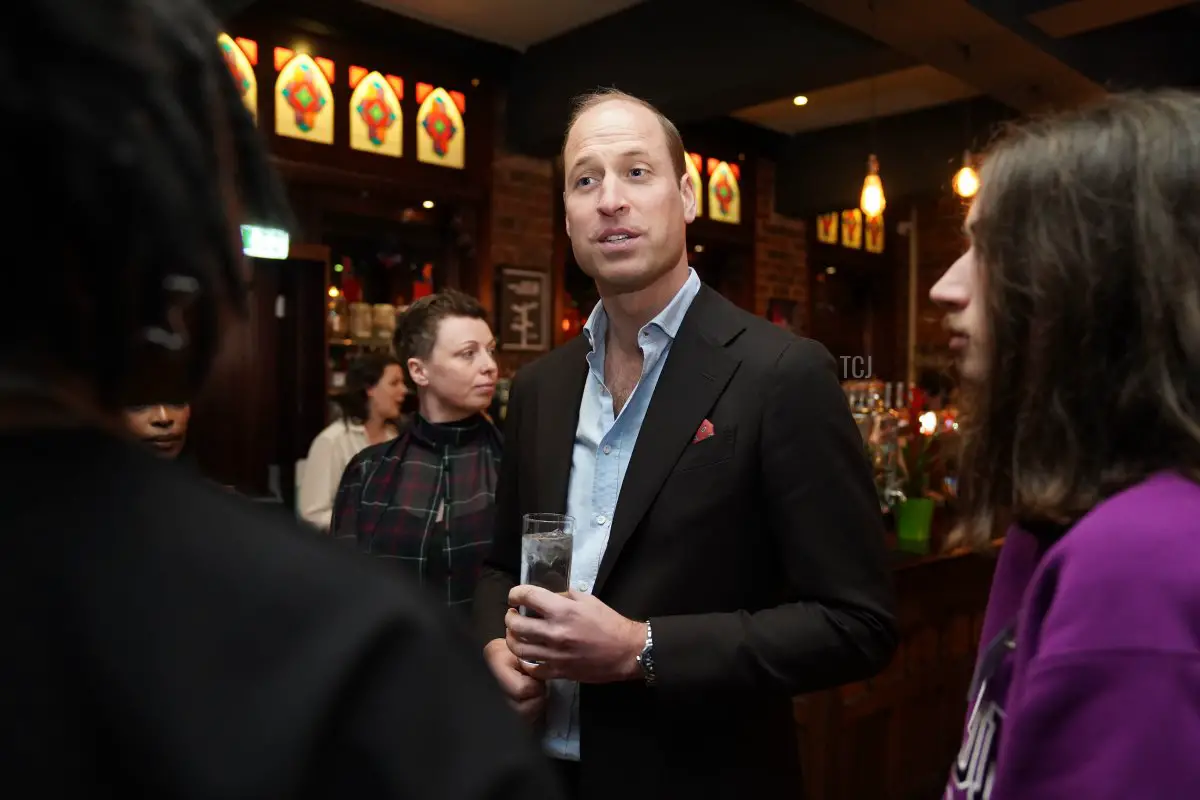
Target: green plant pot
x: 914, y: 522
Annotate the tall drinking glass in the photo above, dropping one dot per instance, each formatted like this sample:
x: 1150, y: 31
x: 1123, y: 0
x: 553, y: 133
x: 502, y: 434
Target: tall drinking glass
x: 546, y: 544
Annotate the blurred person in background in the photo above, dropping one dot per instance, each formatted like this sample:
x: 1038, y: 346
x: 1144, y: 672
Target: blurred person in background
x: 165, y: 638
x: 1075, y: 316
x: 162, y: 425
x: 371, y: 405
x: 424, y: 502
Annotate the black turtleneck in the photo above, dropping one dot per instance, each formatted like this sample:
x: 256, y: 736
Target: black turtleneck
x: 449, y: 434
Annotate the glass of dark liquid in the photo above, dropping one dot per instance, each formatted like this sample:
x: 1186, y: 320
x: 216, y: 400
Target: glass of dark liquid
x: 546, y: 545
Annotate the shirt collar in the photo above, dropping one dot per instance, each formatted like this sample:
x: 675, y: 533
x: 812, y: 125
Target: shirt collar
x: 668, y: 320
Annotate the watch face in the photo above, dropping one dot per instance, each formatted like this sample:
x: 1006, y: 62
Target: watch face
x: 645, y: 659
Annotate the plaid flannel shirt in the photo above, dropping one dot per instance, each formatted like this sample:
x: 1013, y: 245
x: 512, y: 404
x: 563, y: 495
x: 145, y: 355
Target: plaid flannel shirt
x: 425, y: 501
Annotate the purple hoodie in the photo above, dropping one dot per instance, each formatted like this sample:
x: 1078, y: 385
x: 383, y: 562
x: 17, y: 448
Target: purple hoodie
x: 1097, y: 695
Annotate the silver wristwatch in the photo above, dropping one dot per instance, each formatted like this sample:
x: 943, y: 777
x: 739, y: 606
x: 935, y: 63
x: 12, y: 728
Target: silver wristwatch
x: 645, y: 659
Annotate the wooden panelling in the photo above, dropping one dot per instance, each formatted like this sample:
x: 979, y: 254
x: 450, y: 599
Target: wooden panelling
x: 895, y: 736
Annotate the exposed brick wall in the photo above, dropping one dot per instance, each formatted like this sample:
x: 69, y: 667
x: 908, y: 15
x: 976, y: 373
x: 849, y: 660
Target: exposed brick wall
x: 522, y: 211
x: 940, y: 241
x: 522, y: 223
x: 780, y: 251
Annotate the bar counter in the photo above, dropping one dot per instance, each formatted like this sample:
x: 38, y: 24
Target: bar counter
x: 894, y: 737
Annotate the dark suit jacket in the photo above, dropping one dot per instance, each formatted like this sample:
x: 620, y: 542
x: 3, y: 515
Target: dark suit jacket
x: 757, y: 554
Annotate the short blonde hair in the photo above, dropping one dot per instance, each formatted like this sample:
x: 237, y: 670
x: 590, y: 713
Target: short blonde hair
x: 586, y: 102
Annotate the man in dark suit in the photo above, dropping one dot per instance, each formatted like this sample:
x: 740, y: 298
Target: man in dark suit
x: 728, y: 547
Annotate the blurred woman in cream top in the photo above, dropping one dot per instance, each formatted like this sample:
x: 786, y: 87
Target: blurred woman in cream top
x: 375, y: 391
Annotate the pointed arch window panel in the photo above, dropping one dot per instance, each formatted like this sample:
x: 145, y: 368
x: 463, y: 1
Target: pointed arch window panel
x: 376, y: 119
x: 852, y: 228
x: 827, y: 228
x: 241, y: 57
x: 303, y: 96
x: 441, y: 131
x: 724, y: 192
x: 873, y: 230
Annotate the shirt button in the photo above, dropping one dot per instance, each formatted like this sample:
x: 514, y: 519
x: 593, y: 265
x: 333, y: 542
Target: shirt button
x: 581, y: 586
x: 607, y: 449
x: 601, y: 519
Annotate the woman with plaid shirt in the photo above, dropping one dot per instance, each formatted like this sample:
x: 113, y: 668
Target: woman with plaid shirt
x: 424, y: 500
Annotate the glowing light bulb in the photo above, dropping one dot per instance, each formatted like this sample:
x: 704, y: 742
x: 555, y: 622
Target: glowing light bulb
x: 966, y: 180
x: 928, y: 422
x: 873, y: 201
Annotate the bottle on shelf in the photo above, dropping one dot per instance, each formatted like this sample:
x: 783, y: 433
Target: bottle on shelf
x: 336, y: 314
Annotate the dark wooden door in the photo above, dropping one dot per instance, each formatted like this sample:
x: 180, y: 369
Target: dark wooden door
x: 302, y: 368
x: 853, y: 312
x: 265, y: 399
x: 842, y: 310
x: 727, y: 268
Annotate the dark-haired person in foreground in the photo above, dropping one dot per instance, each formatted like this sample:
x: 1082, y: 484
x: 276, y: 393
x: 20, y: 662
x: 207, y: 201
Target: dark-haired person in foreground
x: 1076, y: 320
x: 164, y: 638
x: 424, y: 502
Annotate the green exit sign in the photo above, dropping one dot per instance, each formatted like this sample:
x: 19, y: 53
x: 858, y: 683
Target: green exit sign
x: 260, y: 242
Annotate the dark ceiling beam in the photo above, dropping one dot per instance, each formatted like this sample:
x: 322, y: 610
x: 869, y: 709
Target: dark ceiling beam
x: 919, y: 152
x: 963, y: 40
x: 1081, y: 28
x: 1154, y: 51
x: 694, y: 59
x: 1082, y: 16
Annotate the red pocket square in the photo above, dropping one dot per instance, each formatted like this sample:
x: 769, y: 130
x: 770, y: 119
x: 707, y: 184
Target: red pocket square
x: 705, y: 430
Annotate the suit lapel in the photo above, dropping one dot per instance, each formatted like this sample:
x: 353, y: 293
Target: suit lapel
x: 697, y: 371
x: 556, y: 420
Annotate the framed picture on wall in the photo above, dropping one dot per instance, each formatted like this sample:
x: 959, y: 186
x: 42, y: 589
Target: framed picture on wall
x: 784, y: 313
x: 522, y: 310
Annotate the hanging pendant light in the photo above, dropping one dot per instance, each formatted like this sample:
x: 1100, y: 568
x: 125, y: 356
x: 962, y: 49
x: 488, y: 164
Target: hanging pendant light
x: 872, y: 201
x: 966, y: 180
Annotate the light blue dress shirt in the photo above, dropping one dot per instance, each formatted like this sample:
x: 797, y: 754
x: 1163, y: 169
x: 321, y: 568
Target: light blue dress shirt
x: 604, y: 443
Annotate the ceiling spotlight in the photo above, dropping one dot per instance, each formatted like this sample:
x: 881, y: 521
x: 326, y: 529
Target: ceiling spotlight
x: 428, y: 204
x: 800, y: 100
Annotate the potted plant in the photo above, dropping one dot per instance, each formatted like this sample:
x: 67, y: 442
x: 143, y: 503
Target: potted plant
x: 914, y: 513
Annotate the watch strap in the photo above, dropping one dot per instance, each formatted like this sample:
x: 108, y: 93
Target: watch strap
x: 645, y: 659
